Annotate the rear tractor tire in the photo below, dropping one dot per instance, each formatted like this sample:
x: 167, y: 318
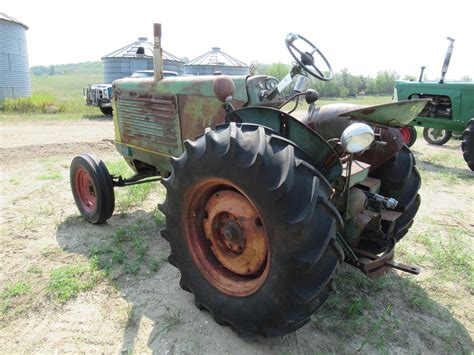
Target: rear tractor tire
x: 401, y: 180
x: 92, y: 188
x: 251, y: 229
x: 467, y: 144
x: 436, y: 136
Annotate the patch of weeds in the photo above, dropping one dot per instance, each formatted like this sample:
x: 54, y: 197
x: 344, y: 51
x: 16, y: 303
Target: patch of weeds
x: 51, y: 252
x: 128, y: 250
x: 72, y: 219
x: 416, y: 298
x: 33, y: 269
x: 14, y: 181
x: 4, y: 304
x: 132, y: 196
x: 15, y: 289
x: 171, y: 318
x: 47, y: 210
x: 159, y: 217
x: 450, y: 254
x: 381, y: 331
x: 67, y: 281
x: 132, y: 267
x: 29, y: 223
x: 99, y: 263
x: 140, y: 248
x: 50, y: 175
x: 155, y: 263
x: 357, y: 307
x: 118, y: 256
x: 129, y: 196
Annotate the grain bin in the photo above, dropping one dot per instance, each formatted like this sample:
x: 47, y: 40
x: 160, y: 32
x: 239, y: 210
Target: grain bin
x: 216, y: 61
x: 15, y: 79
x: 136, y: 56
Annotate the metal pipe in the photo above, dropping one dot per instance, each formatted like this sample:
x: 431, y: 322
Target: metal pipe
x: 447, y: 58
x: 420, y: 79
x: 157, y: 52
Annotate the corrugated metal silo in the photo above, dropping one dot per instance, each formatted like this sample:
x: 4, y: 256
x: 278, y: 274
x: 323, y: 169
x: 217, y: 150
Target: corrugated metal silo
x: 14, y: 68
x: 216, y: 61
x: 136, y: 56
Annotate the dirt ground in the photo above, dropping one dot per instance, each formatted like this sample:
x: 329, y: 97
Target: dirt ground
x: 145, y: 310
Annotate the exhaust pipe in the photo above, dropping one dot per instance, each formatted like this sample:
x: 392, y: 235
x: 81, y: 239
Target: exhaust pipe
x: 420, y: 79
x: 157, y: 53
x: 447, y: 58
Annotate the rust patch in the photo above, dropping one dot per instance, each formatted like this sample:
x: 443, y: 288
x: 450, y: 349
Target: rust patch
x: 236, y: 235
x: 199, y: 112
x: 215, y: 227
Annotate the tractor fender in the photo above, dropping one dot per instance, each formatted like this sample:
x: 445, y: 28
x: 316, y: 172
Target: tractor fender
x: 319, y: 153
x: 329, y: 123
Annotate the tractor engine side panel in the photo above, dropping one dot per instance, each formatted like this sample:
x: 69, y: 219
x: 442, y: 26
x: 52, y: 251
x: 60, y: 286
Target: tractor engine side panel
x: 199, y: 112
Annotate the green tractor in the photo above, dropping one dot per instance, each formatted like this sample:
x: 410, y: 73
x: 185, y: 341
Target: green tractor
x: 450, y: 112
x: 261, y: 207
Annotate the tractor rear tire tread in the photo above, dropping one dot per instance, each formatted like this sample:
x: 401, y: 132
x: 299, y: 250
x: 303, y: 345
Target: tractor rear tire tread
x: 467, y: 144
x: 291, y: 196
x: 405, y: 191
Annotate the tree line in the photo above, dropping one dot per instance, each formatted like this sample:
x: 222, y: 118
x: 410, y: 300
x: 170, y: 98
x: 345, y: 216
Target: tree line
x: 344, y: 84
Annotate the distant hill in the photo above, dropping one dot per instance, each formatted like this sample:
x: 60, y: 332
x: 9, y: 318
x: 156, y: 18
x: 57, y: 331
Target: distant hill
x: 68, y: 69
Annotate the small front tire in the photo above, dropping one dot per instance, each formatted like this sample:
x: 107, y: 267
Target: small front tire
x: 409, y: 135
x: 92, y: 188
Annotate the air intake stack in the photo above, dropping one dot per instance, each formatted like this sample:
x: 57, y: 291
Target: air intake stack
x: 157, y: 52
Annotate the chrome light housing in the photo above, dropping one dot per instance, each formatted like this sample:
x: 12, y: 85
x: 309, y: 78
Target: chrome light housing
x: 357, y: 137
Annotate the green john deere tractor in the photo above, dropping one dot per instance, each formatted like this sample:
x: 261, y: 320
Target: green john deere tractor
x: 261, y: 206
x: 450, y: 112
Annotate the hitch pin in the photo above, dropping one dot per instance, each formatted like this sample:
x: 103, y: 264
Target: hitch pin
x: 387, y: 202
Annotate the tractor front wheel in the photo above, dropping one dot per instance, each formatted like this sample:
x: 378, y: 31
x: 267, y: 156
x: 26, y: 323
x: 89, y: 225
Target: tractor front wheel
x: 92, y: 188
x: 467, y: 144
x: 251, y: 229
x: 436, y: 136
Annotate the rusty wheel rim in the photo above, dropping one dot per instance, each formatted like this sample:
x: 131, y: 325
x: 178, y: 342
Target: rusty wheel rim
x: 85, y: 190
x: 226, y: 237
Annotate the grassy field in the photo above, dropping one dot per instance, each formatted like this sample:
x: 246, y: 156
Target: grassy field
x: 55, y: 97
x: 60, y: 97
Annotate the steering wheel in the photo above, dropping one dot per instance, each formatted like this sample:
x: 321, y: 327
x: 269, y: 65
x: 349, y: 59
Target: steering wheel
x: 306, y: 59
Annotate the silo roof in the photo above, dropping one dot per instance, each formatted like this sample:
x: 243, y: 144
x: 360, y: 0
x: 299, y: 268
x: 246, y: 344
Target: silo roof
x: 4, y: 16
x: 130, y: 51
x: 216, y: 57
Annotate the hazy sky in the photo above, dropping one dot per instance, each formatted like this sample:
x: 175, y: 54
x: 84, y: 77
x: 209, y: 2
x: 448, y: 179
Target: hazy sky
x: 364, y: 36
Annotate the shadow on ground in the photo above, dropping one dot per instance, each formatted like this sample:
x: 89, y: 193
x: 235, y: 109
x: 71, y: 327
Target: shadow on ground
x: 390, y: 314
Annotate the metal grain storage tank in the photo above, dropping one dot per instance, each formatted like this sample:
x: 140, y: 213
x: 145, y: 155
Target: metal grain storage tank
x: 136, y: 56
x: 14, y: 69
x: 216, y: 61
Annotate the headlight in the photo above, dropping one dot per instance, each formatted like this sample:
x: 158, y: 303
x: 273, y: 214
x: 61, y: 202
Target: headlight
x: 357, y: 137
